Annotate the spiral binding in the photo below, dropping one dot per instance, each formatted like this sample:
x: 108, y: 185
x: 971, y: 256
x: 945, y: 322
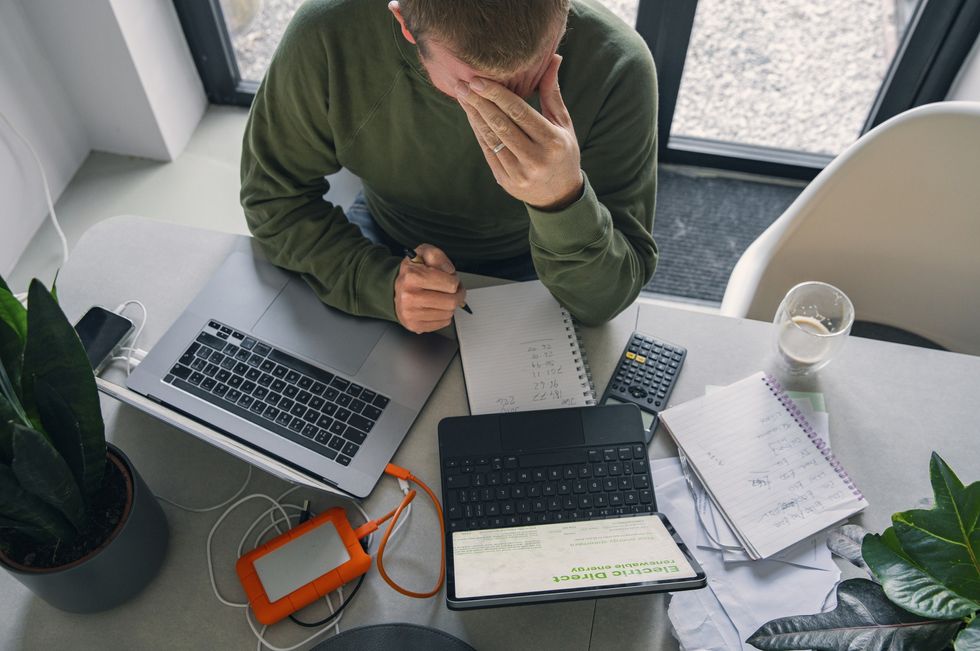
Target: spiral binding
x: 777, y: 390
x: 580, y: 358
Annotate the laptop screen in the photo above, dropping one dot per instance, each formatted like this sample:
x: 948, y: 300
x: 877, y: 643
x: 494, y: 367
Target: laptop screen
x: 565, y: 556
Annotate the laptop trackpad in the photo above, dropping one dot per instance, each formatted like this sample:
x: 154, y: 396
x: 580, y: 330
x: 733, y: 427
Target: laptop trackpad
x: 301, y: 324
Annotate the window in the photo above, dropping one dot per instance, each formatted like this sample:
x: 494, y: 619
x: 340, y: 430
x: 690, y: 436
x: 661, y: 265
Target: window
x: 770, y: 86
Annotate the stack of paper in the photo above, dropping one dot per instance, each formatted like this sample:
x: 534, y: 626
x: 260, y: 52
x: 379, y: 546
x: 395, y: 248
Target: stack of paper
x: 742, y: 594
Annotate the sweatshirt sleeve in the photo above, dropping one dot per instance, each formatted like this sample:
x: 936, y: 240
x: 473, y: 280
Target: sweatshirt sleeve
x: 597, y: 254
x: 287, y: 150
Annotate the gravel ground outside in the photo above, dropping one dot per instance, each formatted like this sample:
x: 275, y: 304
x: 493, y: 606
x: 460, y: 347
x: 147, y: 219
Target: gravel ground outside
x: 790, y: 74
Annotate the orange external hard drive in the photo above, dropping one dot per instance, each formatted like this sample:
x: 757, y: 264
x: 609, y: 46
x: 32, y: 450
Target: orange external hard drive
x: 302, y: 565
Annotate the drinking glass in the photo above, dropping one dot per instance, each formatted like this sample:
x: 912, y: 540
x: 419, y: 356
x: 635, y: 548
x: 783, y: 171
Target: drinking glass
x: 812, y: 324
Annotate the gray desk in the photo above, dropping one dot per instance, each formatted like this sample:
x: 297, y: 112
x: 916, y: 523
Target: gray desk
x: 890, y: 406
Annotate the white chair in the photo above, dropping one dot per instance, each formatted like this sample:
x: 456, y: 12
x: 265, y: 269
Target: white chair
x: 894, y: 221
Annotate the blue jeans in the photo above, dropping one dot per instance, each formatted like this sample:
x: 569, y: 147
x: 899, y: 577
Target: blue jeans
x: 517, y: 268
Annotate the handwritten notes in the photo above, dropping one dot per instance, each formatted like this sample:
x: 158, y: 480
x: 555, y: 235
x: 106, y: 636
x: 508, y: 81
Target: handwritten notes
x: 520, y: 351
x: 770, y: 475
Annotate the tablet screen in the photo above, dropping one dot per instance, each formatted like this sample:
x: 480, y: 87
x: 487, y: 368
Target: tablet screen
x: 563, y: 556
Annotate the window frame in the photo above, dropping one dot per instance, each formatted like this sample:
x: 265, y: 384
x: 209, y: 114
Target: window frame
x: 936, y: 42
x: 213, y: 53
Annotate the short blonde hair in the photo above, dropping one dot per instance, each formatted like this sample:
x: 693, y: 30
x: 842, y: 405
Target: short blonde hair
x: 489, y: 35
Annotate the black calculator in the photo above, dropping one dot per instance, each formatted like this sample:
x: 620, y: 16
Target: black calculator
x: 645, y: 376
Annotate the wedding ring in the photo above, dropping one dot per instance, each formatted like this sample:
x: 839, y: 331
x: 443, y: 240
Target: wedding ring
x: 497, y: 149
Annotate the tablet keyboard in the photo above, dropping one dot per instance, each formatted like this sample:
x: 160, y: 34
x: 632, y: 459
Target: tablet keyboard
x: 485, y: 492
x: 273, y: 389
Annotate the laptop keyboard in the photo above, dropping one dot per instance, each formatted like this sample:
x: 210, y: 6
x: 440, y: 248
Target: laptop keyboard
x: 268, y: 387
x: 562, y: 486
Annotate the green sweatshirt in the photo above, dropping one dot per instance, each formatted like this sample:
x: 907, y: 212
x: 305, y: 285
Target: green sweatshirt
x: 346, y: 90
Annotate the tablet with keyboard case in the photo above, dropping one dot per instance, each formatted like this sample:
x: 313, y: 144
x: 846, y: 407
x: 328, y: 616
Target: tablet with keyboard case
x: 554, y: 505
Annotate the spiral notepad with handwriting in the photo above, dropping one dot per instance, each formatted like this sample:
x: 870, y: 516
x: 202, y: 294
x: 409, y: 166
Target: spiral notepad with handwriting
x: 772, y: 477
x: 520, y: 351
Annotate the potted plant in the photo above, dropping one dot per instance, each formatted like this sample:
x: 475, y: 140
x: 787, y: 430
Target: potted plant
x: 78, y: 526
x: 926, y: 592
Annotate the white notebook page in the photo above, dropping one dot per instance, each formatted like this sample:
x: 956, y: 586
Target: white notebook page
x: 520, y: 351
x: 770, y: 480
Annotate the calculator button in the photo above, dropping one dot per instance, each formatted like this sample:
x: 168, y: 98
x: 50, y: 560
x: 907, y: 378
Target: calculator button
x: 641, y: 359
x: 637, y: 392
x: 630, y: 355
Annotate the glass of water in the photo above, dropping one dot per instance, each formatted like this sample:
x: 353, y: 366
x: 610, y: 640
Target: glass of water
x: 812, y: 324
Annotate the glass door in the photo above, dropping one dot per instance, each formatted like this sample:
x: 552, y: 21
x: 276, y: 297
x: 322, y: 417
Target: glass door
x: 780, y: 87
x: 791, y: 75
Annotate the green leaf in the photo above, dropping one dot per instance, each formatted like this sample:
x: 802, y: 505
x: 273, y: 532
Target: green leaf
x: 42, y: 472
x: 11, y: 355
x: 54, y: 355
x: 7, y: 419
x: 945, y: 541
x: 12, y: 313
x: 62, y: 427
x: 907, y: 584
x: 863, y: 619
x: 969, y: 637
x: 10, y: 398
x: 20, y: 506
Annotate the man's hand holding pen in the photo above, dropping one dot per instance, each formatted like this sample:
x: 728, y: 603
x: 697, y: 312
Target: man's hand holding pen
x: 427, y: 290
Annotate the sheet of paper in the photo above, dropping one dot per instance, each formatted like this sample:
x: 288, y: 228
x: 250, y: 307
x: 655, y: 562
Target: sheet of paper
x: 746, y: 595
x: 562, y: 556
x: 815, y: 399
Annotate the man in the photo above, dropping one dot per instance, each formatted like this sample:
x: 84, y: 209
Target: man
x: 452, y: 114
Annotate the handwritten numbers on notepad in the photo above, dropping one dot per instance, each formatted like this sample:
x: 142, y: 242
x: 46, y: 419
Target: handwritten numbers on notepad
x: 519, y: 351
x: 544, y: 371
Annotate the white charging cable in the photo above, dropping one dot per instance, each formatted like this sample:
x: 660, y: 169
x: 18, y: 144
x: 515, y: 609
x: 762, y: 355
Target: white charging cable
x: 47, y: 195
x: 278, y: 516
x: 132, y: 351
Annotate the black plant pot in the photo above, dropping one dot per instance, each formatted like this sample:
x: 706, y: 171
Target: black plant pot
x: 117, y: 570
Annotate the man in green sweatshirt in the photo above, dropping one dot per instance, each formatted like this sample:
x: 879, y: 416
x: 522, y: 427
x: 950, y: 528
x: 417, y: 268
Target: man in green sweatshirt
x: 512, y: 138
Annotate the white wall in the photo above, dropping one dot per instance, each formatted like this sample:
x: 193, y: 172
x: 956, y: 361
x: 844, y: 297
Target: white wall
x: 110, y: 75
x: 118, y: 59
x: 33, y: 99
x: 966, y: 86
x: 162, y: 58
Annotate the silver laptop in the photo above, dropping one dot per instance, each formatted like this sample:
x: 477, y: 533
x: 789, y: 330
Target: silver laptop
x: 259, y: 357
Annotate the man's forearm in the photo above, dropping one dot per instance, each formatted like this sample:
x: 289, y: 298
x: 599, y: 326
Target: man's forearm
x: 314, y: 238
x: 592, y: 266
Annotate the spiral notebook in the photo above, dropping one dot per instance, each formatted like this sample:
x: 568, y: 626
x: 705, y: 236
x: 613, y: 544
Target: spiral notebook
x: 770, y: 474
x: 521, y: 351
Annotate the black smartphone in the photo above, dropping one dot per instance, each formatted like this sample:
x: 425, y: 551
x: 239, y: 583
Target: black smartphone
x: 101, y: 332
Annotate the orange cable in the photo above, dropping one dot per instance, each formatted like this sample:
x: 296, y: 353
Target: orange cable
x: 401, y: 473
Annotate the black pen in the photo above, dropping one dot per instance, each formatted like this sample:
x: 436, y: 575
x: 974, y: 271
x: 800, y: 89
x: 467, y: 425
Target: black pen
x: 415, y: 258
